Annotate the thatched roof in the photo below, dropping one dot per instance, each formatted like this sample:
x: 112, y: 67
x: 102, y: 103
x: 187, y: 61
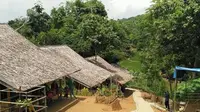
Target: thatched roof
x: 24, y: 65
x: 90, y: 75
x: 123, y: 75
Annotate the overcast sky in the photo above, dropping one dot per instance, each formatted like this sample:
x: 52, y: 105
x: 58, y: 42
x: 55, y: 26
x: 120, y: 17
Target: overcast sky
x: 117, y: 9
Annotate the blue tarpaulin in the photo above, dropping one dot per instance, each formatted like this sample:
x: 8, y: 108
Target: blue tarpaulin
x: 175, y: 76
x: 186, y: 69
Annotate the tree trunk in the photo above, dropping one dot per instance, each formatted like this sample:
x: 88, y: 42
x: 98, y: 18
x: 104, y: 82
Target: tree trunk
x: 197, y: 61
x: 170, y: 87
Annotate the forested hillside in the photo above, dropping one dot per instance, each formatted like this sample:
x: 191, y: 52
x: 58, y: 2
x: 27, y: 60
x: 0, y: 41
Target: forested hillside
x: 167, y: 35
x: 84, y: 26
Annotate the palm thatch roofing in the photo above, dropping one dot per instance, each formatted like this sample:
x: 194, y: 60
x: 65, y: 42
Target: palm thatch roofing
x: 24, y: 65
x: 122, y: 75
x: 90, y: 75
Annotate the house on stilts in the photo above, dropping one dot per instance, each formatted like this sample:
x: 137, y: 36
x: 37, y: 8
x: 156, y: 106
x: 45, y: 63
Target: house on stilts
x: 90, y: 75
x: 24, y: 69
x: 122, y: 76
x: 27, y: 70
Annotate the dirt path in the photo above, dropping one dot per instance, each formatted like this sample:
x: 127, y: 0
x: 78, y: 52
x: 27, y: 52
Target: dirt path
x: 88, y: 105
x: 141, y: 104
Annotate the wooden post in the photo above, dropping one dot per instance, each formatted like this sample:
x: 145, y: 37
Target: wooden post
x: 111, y: 84
x: 19, y: 99
x: 117, y: 91
x: 175, y: 95
x: 26, y: 106
x: 0, y: 99
x: 45, y: 100
x: 79, y: 86
x: 60, y: 89
x: 8, y: 95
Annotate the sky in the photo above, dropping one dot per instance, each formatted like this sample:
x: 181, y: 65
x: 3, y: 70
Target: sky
x: 117, y: 9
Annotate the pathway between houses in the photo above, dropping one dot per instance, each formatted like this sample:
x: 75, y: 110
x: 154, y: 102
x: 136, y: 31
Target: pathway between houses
x: 141, y: 104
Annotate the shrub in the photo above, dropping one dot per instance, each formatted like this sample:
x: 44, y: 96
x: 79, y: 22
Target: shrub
x: 83, y: 92
x: 120, y: 94
x: 86, y: 92
x: 107, y: 91
x: 114, y: 87
x: 24, y: 103
x: 186, y: 89
x: 76, y: 91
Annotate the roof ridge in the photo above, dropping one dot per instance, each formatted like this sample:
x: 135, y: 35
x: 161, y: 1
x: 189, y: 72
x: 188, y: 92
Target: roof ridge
x: 3, y: 23
x: 30, y: 66
x: 45, y: 46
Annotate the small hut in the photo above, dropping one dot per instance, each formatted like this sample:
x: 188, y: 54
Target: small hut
x: 90, y: 75
x: 24, y: 67
x: 122, y: 75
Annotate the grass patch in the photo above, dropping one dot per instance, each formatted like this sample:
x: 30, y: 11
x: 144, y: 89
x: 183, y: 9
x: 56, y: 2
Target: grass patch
x: 132, y: 64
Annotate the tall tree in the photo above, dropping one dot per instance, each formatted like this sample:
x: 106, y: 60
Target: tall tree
x: 20, y: 25
x: 39, y: 21
x: 82, y: 25
x: 168, y: 36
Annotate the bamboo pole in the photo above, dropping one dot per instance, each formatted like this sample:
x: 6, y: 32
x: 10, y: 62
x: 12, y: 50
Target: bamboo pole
x: 38, y: 99
x: 60, y: 89
x: 15, y: 96
x: 8, y: 95
x: 6, y: 90
x: 26, y: 106
x: 175, y: 95
x: 35, y: 89
x: 111, y: 84
x: 42, y: 109
x: 45, y: 100
x: 6, y: 102
x: 0, y: 100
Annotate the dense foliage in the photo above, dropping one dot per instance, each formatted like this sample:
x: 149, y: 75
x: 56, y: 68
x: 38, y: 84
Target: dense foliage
x: 109, y: 91
x: 84, y: 26
x: 189, y: 89
x: 83, y: 92
x: 167, y: 35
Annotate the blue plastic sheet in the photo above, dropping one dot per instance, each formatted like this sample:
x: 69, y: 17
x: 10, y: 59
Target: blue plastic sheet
x: 186, y: 69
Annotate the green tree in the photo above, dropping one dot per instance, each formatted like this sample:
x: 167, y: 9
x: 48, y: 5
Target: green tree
x: 57, y: 17
x: 82, y: 25
x: 38, y: 20
x: 20, y: 25
x: 167, y: 36
x: 98, y: 30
